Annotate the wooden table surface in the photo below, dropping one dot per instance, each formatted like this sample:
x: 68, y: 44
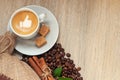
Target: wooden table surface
x: 89, y: 30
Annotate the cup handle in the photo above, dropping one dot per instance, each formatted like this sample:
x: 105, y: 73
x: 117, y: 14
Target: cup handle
x: 42, y: 17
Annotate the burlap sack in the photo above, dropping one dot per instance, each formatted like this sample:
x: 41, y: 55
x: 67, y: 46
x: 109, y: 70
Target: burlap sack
x: 10, y: 65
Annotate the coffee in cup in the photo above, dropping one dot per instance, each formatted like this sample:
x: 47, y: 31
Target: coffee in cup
x: 25, y: 23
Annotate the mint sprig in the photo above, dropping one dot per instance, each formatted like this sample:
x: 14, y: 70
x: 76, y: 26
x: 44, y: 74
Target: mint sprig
x: 58, y: 72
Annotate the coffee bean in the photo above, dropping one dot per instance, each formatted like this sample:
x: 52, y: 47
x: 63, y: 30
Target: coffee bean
x: 65, y: 75
x: 68, y: 59
x: 54, y: 51
x: 79, y: 68
x: 46, y: 55
x: 71, y: 70
x: 62, y: 49
x: 81, y: 78
x: 65, y: 68
x: 49, y: 53
x: 46, y: 60
x: 62, y: 53
x: 58, y: 60
x: 66, y: 64
x: 74, y: 68
x: 73, y: 65
x: 78, y: 78
x: 54, y: 64
x: 78, y: 74
x: 56, y: 57
x: 25, y: 59
x: 71, y: 61
x: 49, y: 57
x: 58, y: 49
x: 63, y: 65
x: 51, y: 63
x: 70, y: 67
x: 65, y: 59
x: 68, y: 55
x: 59, y: 45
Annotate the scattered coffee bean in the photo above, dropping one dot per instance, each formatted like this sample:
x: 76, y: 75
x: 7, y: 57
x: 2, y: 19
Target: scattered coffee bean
x: 79, y: 68
x: 81, y: 78
x: 55, y: 57
x: 68, y: 54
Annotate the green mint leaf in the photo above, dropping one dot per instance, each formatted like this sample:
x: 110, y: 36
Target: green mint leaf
x: 57, y: 72
x: 61, y: 78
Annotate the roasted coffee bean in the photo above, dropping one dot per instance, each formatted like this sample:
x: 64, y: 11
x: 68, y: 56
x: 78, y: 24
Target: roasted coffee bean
x: 65, y: 68
x: 62, y: 53
x: 46, y: 55
x: 65, y: 75
x: 63, y: 65
x: 66, y: 64
x: 58, y: 49
x: 72, y: 76
x: 68, y: 76
x: 59, y: 45
x: 54, y: 51
x: 73, y: 65
x: 56, y: 57
x: 78, y: 78
x: 46, y: 60
x: 54, y: 60
x: 81, y: 78
x: 71, y: 61
x: 71, y: 70
x: 49, y: 65
x: 54, y: 47
x: 69, y: 67
x: 74, y: 68
x: 64, y: 59
x: 68, y: 59
x: 49, y: 57
x: 25, y: 59
x: 49, y: 53
x: 68, y: 55
x: 54, y: 64
x: 62, y: 49
x: 58, y: 60
x: 78, y: 74
x: 79, y: 68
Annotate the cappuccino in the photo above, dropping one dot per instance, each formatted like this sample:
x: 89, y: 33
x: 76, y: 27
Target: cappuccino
x: 24, y: 22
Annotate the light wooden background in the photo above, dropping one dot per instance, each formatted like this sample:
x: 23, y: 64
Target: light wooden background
x: 89, y: 30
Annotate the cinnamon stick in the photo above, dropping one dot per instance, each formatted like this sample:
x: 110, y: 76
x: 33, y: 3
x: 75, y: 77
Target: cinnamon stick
x: 42, y: 62
x: 50, y: 78
x: 36, y: 61
x: 42, y: 65
x: 35, y: 67
x: 41, y: 68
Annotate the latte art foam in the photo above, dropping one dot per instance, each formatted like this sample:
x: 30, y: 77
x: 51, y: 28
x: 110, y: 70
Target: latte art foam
x: 24, y: 22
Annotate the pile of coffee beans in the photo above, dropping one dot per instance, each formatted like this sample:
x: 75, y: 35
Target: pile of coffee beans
x: 56, y: 57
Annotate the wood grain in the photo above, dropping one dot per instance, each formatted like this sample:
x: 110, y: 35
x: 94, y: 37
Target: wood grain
x: 89, y: 30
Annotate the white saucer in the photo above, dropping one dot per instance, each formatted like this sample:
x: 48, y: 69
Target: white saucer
x: 28, y: 47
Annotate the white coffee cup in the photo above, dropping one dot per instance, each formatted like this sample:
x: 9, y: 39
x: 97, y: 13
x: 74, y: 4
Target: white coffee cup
x: 40, y: 18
